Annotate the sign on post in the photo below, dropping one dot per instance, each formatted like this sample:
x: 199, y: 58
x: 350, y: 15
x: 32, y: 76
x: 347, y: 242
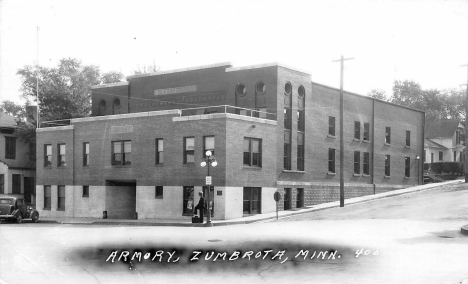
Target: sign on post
x: 208, y: 180
x: 277, y: 197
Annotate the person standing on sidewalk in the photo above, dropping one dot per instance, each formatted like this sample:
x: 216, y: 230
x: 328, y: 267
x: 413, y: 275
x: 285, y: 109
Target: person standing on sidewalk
x: 200, y: 206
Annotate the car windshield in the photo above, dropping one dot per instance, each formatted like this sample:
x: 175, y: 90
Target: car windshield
x: 6, y: 201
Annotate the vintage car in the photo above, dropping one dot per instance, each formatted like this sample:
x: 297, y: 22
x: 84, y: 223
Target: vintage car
x: 15, y: 209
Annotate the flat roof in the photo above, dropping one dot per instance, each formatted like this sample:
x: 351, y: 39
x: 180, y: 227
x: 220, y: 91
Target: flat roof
x: 180, y: 70
x: 272, y: 64
x: 110, y: 85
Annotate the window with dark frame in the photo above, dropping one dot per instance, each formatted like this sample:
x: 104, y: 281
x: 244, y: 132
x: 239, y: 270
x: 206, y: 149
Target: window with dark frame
x: 331, y: 125
x: 454, y: 156
x: 16, y: 184
x: 441, y: 156
x: 2, y: 184
x: 10, y: 147
x: 189, y: 150
x: 300, y: 120
x: 331, y: 160
x: 121, y: 153
x: 408, y: 138
x: 457, y: 138
x: 287, y: 118
x: 61, y: 159
x: 159, y: 151
x: 85, y: 190
x: 47, y: 155
x: 287, y: 151
x: 387, y: 135
x: 300, y: 151
x: 158, y: 192
x: 366, y: 132
x: 61, y: 197
x: 357, y: 162
x: 365, y: 163
x: 252, y: 152
x: 188, y: 200
x: 86, y: 154
x: 208, y: 145
x: 47, y: 197
x: 357, y: 130
x: 387, y: 165
x: 407, y: 166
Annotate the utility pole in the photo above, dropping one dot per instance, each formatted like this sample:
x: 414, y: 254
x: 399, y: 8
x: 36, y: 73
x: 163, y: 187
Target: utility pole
x: 465, y: 166
x: 341, y: 131
x: 37, y: 79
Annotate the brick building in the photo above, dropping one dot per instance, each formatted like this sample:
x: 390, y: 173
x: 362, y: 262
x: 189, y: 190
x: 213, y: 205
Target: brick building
x: 270, y: 128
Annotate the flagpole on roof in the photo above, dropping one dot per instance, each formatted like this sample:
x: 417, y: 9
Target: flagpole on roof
x: 37, y: 77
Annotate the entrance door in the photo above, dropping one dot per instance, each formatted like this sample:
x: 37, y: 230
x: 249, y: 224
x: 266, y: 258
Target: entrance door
x: 300, y: 198
x: 287, y: 198
x: 252, y: 200
x: 205, y: 190
x: 16, y: 186
x: 29, y: 190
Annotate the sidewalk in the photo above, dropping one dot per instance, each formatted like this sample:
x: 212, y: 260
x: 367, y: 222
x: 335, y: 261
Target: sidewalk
x: 244, y: 220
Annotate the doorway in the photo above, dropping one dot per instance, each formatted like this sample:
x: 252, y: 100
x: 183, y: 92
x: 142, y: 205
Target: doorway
x: 300, y: 198
x: 120, y: 199
x: 287, y: 198
x: 29, y: 190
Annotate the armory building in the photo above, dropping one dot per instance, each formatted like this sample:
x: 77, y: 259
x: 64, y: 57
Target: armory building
x: 270, y: 129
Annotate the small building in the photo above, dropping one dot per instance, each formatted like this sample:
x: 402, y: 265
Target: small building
x: 17, y: 166
x: 270, y: 129
x: 444, y: 141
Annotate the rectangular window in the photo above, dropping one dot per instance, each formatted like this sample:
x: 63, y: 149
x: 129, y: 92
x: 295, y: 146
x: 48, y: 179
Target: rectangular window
x: 387, y: 165
x: 331, y: 126
x: 300, y: 120
x: 85, y: 190
x: 407, y: 166
x: 158, y: 192
x: 189, y: 150
x: 300, y: 151
x: 366, y: 132
x: 457, y: 139
x: 2, y: 184
x: 387, y: 135
x: 61, y: 156
x: 252, y: 200
x: 357, y: 162
x: 253, y: 152
x: 432, y: 158
x: 61, y: 197
x: 287, y: 118
x: 85, y: 154
x: 208, y: 145
x: 357, y: 130
x: 454, y: 156
x: 121, y: 153
x: 365, y: 164
x: 331, y: 160
x: 188, y: 201
x: 441, y: 156
x: 159, y: 151
x: 287, y: 151
x: 10, y: 147
x: 47, y: 155
x: 47, y: 197
x: 408, y: 138
x: 16, y: 186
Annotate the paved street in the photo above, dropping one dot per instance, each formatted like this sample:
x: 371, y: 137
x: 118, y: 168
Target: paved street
x: 412, y: 238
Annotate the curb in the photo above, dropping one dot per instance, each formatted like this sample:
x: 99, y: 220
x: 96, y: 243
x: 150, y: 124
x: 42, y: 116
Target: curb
x: 464, y: 230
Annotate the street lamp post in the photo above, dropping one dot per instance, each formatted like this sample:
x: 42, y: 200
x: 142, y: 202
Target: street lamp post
x: 210, y: 161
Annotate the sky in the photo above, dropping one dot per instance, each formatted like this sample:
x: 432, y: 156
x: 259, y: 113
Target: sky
x: 424, y: 41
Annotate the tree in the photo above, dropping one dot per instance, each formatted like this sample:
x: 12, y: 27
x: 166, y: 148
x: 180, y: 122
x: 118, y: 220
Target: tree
x: 64, y: 91
x: 11, y: 108
x: 146, y: 69
x: 378, y: 94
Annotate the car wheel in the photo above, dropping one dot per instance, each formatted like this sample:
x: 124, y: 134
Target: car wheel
x: 19, y: 219
x: 35, y: 217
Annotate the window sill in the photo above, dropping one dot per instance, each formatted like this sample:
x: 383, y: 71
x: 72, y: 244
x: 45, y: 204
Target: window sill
x: 331, y: 136
x: 356, y: 175
x: 295, y: 172
x: 61, y: 167
x: 47, y: 167
x: 60, y: 209
x: 158, y: 165
x: 86, y: 166
x: 245, y: 167
x: 407, y: 177
x: 48, y: 209
x: 331, y: 174
x: 121, y: 166
x: 387, y: 176
x: 408, y: 147
x: 356, y: 140
x: 158, y: 198
x: 387, y: 144
x: 365, y: 141
x: 85, y: 196
x: 364, y: 175
x: 10, y: 158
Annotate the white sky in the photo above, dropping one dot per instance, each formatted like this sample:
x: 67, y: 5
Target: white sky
x: 425, y: 41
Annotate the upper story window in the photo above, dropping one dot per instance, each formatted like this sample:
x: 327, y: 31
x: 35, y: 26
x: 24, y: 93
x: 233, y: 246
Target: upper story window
x: 116, y: 103
x: 260, y: 88
x: 331, y: 125
x: 331, y: 160
x: 252, y: 152
x: 47, y: 155
x: 408, y: 138
x: 208, y: 145
x: 357, y: 162
x: 189, y: 150
x: 10, y: 147
x: 61, y: 161
x: 357, y: 130
x: 241, y: 90
x: 388, y: 133
x: 387, y: 165
x: 287, y: 118
x: 159, y: 151
x: 102, y: 104
x: 301, y: 97
x: 365, y: 163
x: 122, y: 153
x: 86, y: 154
x: 407, y: 166
x: 300, y: 120
x: 366, y: 132
x: 300, y: 151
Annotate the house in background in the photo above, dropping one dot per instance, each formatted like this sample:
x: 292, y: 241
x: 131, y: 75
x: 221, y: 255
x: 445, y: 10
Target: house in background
x: 17, y: 168
x: 443, y: 141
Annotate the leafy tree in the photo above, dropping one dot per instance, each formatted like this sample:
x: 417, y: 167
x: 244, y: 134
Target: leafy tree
x: 11, y: 108
x: 146, y: 69
x: 64, y: 91
x: 378, y: 94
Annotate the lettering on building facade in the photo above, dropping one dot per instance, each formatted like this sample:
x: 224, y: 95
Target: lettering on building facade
x: 177, y: 90
x: 121, y: 129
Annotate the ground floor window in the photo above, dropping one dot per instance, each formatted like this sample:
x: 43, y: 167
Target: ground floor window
x: 61, y: 197
x: 188, y: 200
x: 2, y: 184
x: 287, y: 198
x: 252, y: 200
x: 300, y: 198
x: 47, y: 197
